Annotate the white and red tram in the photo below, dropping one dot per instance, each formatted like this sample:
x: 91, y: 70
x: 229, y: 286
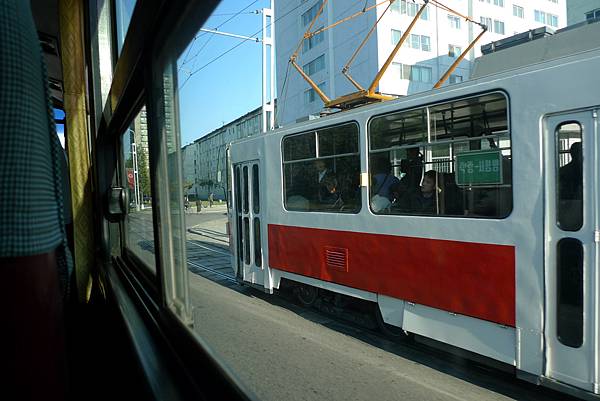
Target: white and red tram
x: 500, y: 259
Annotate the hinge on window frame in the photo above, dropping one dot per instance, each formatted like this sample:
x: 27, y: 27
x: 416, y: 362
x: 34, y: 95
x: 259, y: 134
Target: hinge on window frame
x: 597, y: 236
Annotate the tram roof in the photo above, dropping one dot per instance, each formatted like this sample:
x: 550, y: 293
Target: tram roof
x: 536, y: 46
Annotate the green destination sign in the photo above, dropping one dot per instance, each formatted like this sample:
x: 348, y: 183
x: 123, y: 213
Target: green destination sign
x: 479, y: 168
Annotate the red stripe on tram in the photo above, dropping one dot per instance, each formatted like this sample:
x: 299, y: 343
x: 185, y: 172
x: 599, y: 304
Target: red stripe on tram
x: 468, y: 278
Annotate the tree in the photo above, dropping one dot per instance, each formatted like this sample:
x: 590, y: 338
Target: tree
x: 144, y: 172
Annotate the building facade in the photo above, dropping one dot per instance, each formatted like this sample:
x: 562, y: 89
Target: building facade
x: 433, y: 45
x: 205, y: 160
x: 582, y: 10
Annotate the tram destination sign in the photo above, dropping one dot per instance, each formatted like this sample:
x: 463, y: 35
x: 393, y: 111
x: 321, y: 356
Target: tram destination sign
x: 479, y: 168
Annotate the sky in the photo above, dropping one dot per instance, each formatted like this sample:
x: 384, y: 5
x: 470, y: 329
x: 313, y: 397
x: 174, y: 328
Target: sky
x: 229, y: 87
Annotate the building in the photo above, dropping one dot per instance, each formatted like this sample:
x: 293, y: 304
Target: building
x: 433, y: 45
x: 582, y: 10
x: 205, y: 160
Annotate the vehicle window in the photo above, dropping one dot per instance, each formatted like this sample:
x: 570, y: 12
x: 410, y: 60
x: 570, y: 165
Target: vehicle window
x: 139, y: 236
x: 569, y: 178
x: 451, y: 159
x: 321, y: 170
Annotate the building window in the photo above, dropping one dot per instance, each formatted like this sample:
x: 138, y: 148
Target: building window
x: 310, y: 95
x: 425, y: 43
x: 499, y: 3
x: 499, y: 27
x: 419, y: 73
x: 592, y: 14
x: 486, y: 21
x: 454, y: 21
x: 455, y: 78
x: 402, y: 71
x: 539, y: 16
x: 308, y: 16
x: 315, y: 66
x: 313, y: 41
x: 409, y: 8
x: 518, y: 11
x: 396, y: 35
x: 419, y: 42
x: 454, y: 51
x: 546, y: 18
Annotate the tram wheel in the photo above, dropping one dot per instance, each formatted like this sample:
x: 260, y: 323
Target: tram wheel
x: 389, y: 330
x: 307, y: 294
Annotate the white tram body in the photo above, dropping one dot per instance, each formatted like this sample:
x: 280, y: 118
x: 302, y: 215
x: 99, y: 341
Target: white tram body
x: 517, y: 281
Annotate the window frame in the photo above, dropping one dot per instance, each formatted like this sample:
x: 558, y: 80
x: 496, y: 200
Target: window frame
x: 173, y: 362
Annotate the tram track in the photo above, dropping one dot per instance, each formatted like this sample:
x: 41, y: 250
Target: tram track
x: 197, y: 265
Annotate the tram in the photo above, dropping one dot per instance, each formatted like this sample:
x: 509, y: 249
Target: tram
x: 468, y: 214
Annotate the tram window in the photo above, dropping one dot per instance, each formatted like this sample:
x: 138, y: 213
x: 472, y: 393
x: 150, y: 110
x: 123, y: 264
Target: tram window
x: 139, y: 237
x: 327, y: 181
x: 398, y: 129
x: 457, y: 163
x: 257, y: 243
x: 245, y: 195
x: 246, y: 240
x: 569, y: 303
x: 299, y: 147
x: 255, y: 190
x: 569, y: 185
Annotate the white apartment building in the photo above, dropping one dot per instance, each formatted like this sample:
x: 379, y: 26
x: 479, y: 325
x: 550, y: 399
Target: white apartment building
x: 433, y: 45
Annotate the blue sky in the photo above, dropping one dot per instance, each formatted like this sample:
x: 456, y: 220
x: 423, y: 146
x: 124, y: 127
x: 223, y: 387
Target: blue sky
x: 229, y: 87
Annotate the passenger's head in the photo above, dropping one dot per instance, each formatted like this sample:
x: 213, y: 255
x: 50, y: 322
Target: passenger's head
x: 413, y: 153
x: 576, y: 151
x: 331, y: 184
x: 320, y: 165
x: 429, y: 184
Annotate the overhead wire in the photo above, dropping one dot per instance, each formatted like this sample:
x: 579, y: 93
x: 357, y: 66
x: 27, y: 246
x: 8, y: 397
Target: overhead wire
x: 284, y: 94
x: 234, y: 15
x: 236, y: 46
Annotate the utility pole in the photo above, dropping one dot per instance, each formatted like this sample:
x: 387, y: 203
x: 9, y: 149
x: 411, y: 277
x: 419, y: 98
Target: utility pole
x: 136, y: 175
x: 268, y: 63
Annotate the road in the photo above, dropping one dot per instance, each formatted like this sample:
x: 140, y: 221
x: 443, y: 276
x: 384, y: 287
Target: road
x: 282, y: 351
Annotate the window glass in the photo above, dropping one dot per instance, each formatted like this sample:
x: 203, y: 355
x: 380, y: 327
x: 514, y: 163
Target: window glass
x: 328, y: 181
x: 569, y: 291
x: 124, y: 11
x: 139, y: 237
x: 257, y: 243
x: 245, y: 183
x: 255, y: 190
x: 569, y: 160
x: 452, y: 159
x: 299, y: 147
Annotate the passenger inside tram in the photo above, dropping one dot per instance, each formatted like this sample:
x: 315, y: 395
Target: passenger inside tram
x: 382, y: 182
x: 424, y: 201
x: 570, y: 190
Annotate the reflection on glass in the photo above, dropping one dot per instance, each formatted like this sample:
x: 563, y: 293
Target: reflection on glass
x: 124, y: 9
x: 139, y: 225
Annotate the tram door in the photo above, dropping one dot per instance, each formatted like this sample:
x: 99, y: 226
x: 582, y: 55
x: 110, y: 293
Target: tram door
x: 571, y: 249
x: 249, y: 258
